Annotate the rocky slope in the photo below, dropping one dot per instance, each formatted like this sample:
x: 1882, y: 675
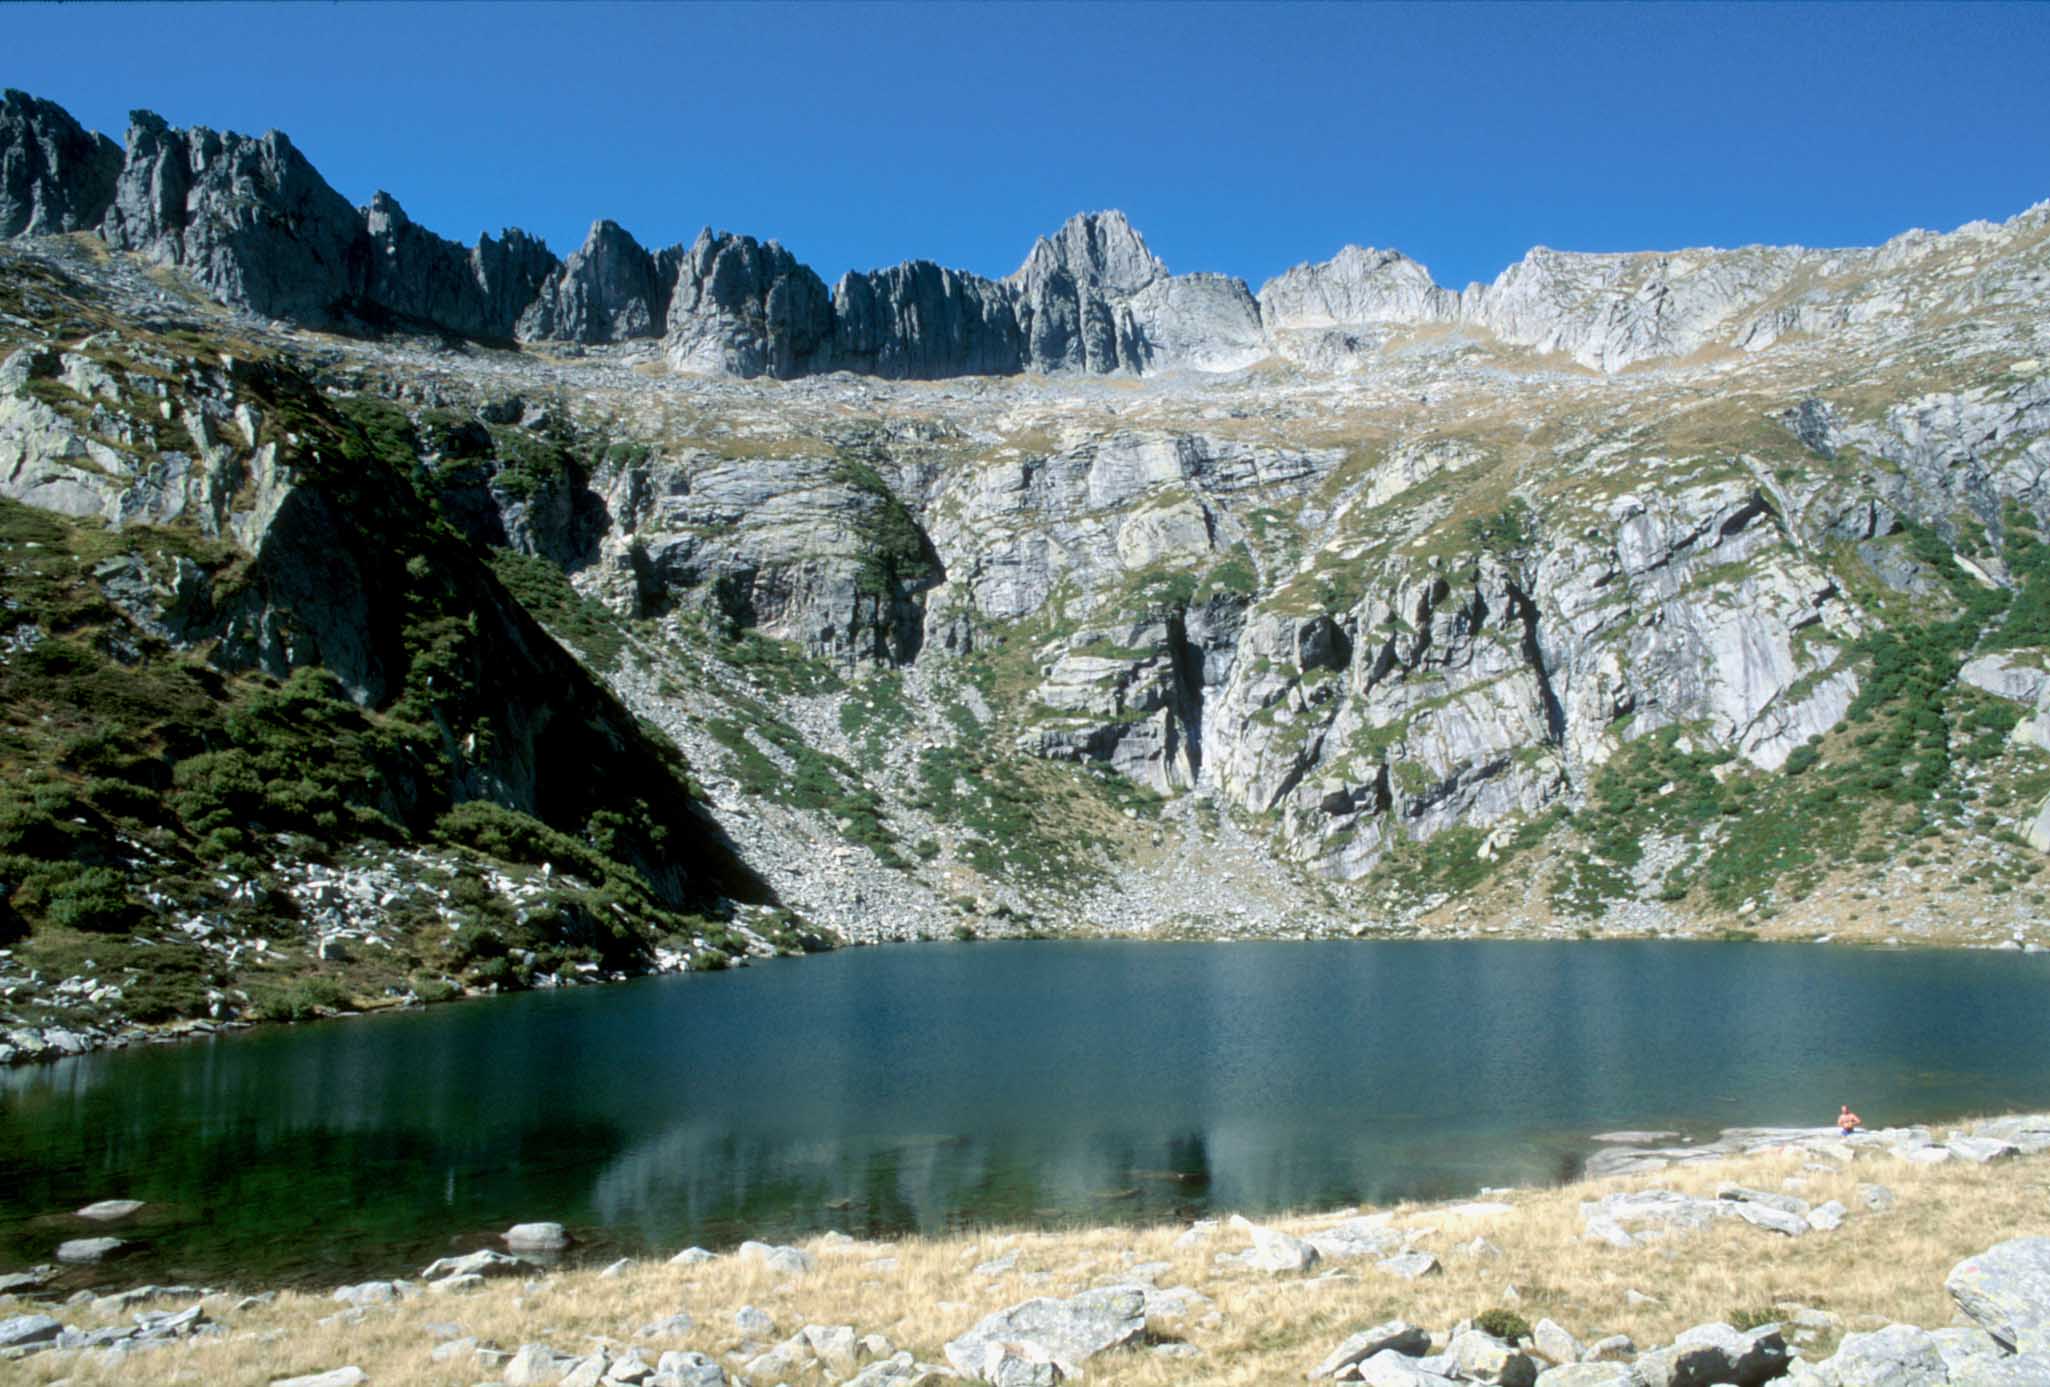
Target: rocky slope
x: 1696, y: 592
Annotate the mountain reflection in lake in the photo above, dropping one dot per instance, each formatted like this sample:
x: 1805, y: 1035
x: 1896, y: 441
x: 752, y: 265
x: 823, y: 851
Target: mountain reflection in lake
x: 935, y: 1086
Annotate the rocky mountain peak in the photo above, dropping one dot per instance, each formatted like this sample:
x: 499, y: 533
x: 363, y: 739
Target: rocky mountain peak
x: 1100, y: 249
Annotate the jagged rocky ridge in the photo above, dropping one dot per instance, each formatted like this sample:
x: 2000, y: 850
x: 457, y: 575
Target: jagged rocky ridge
x: 254, y: 223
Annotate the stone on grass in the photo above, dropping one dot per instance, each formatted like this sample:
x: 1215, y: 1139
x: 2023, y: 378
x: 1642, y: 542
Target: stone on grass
x: 1552, y: 1340
x: 690, y: 1368
x: 537, y: 1365
x: 1877, y: 1198
x: 1900, y: 1355
x: 674, y: 1326
x: 2005, y: 1290
x: 692, y: 1256
x: 1824, y: 1218
x: 17, y: 1331
x: 350, y: 1376
x: 788, y: 1260
x: 1409, y: 1265
x: 1981, y: 1150
x: 1481, y: 1357
x: 536, y: 1237
x: 1585, y: 1375
x: 754, y: 1322
x: 1391, y: 1369
x: 1276, y: 1251
x: 85, y: 1251
x: 835, y: 1346
x: 485, y: 1262
x: 1614, y: 1348
x: 108, y: 1210
x: 1399, y: 1336
x: 1070, y: 1332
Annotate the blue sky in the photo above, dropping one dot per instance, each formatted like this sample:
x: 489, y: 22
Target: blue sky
x: 1238, y: 138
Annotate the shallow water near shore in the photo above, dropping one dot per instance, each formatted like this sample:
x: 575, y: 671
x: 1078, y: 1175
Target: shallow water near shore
x: 922, y: 1088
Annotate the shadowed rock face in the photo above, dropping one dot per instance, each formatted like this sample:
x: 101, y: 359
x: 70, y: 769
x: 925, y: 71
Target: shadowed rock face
x: 54, y: 175
x: 609, y: 290
x: 479, y: 291
x: 249, y: 219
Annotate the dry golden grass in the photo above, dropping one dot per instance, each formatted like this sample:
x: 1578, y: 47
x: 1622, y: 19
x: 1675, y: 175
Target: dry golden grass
x: 1879, y: 1267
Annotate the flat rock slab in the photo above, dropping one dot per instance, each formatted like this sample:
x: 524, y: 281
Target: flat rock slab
x: 536, y: 1237
x: 1069, y: 1331
x: 334, y: 1377
x: 108, y: 1210
x: 1398, y: 1336
x: 85, y: 1251
x: 17, y: 1331
x: 2006, y: 1291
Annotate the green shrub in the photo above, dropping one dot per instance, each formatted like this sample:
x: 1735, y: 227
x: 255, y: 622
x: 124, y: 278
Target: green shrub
x: 1505, y: 1325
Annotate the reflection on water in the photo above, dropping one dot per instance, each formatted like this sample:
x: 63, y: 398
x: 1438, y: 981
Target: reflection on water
x: 923, y: 1088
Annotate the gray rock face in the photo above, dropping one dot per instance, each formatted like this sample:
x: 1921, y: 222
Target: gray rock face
x: 536, y: 1237
x: 917, y: 321
x: 54, y: 175
x: 2006, y: 1291
x: 426, y: 279
x: 1900, y: 1355
x: 609, y: 290
x: 249, y: 219
x: 89, y: 1250
x: 17, y: 1331
x: 743, y: 308
x: 1067, y: 1332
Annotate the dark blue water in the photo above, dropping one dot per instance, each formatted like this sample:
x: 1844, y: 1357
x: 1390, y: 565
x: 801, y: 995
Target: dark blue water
x: 934, y: 1086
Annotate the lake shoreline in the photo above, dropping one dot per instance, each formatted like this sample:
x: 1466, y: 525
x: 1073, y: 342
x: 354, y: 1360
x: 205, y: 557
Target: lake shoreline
x: 24, y: 1044
x: 1230, y: 1299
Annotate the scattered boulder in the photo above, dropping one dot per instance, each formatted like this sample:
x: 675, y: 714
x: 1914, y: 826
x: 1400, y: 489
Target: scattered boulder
x: 482, y: 1263
x: 692, y: 1256
x: 536, y: 1237
x: 17, y: 1331
x: 350, y: 1376
x: 1070, y: 1332
x: 2006, y: 1291
x: 1398, y: 1336
x: 1391, y: 1369
x: 789, y: 1260
x: 1274, y: 1250
x: 1409, y: 1265
x: 690, y: 1369
x: 110, y: 1210
x: 1981, y: 1150
x: 1899, y: 1355
x: 538, y: 1365
x: 86, y: 1251
x: 754, y: 1322
x: 1481, y: 1357
x: 1826, y: 1217
x: 1551, y: 1340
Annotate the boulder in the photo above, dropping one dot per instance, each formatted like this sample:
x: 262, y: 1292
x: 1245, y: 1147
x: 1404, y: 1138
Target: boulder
x: 1409, y: 1265
x: 690, y: 1369
x: 1551, y: 1340
x: 1980, y: 1150
x: 1069, y: 1332
x: 110, y: 1210
x: 692, y: 1256
x: 538, y: 1365
x: 17, y: 1331
x: 536, y: 1237
x: 350, y: 1376
x: 1276, y: 1251
x: 1826, y: 1217
x: 2024, y: 1370
x: 1586, y: 1375
x: 788, y: 1260
x: 2006, y: 1291
x: 85, y: 1251
x: 1900, y: 1355
x: 484, y: 1262
x: 1397, y: 1336
x: 1391, y: 1369
x: 1481, y: 1357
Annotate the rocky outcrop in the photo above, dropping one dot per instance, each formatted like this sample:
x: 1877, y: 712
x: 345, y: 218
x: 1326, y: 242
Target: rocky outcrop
x: 425, y: 279
x: 54, y: 175
x: 743, y: 308
x: 918, y: 321
x: 609, y: 290
x: 250, y: 220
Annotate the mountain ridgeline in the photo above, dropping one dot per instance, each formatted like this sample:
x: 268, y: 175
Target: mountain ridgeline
x: 252, y: 222
x: 382, y: 616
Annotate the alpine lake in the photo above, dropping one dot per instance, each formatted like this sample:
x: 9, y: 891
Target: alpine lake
x: 930, y: 1087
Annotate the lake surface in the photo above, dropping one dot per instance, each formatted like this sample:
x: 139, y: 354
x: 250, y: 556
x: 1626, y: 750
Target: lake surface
x: 926, y: 1087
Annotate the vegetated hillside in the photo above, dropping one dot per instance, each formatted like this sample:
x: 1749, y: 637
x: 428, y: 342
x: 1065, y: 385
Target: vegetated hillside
x: 243, y: 649
x: 1432, y: 634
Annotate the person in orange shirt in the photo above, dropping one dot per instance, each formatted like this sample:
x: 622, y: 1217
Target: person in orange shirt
x: 1847, y: 1121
